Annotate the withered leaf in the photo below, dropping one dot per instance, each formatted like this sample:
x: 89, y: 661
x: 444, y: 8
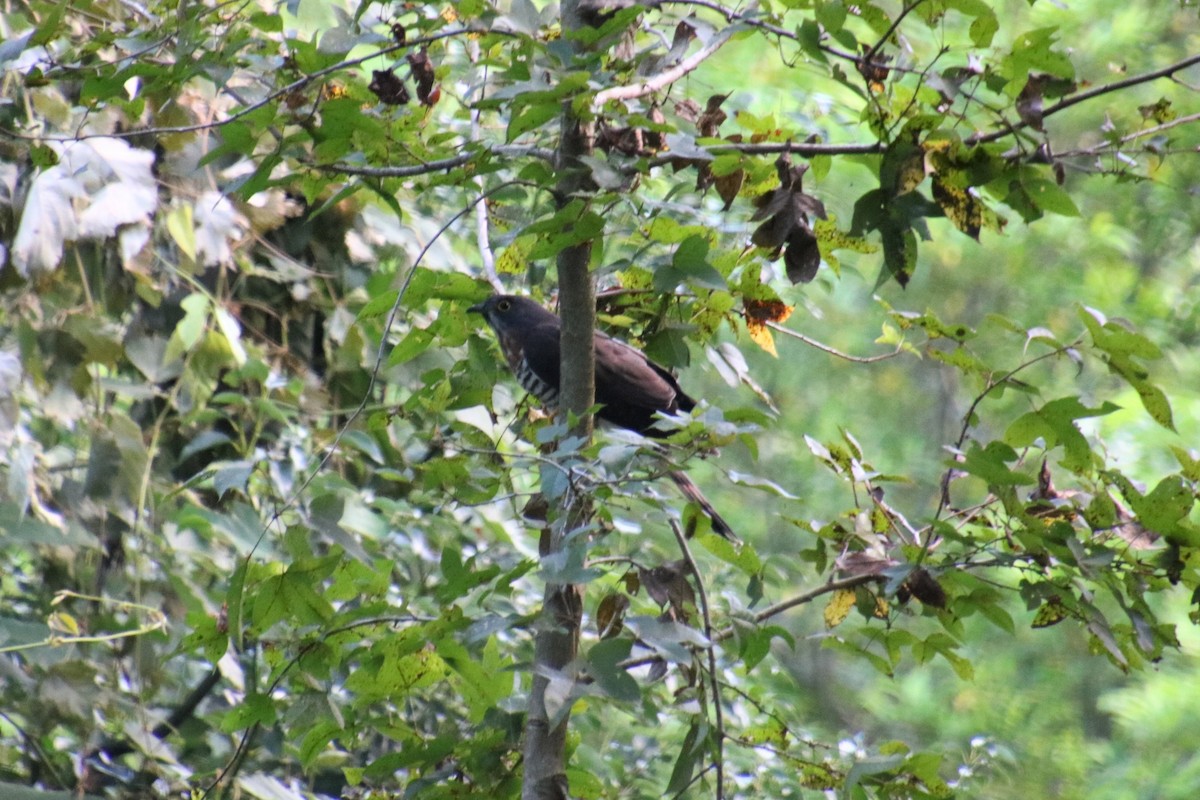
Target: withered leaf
x: 388, y: 87
x: 923, y: 586
x: 655, y: 140
x: 802, y: 255
x: 713, y: 116
x: 399, y: 34
x: 610, y: 615
x: 422, y: 74
x: 758, y: 314
x: 628, y: 141
x: 858, y: 562
x: 1029, y: 103
x: 688, y: 110
x: 872, y: 67
x: 684, y: 33
x: 1160, y: 112
x: 1037, y: 89
x: 785, y: 213
x: 667, y: 585
x: 838, y: 607
x: 729, y: 185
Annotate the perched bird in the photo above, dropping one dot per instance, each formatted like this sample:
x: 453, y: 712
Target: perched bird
x: 630, y: 388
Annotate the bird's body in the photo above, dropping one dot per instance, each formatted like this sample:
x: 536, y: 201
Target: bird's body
x: 631, y: 390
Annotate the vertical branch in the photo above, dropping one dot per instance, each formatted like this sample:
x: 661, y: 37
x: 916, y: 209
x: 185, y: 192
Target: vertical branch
x: 714, y: 678
x: 557, y: 640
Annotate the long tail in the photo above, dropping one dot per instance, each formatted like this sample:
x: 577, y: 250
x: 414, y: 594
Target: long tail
x: 692, y: 492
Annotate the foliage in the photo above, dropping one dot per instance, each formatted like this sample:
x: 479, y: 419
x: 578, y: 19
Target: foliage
x: 265, y: 476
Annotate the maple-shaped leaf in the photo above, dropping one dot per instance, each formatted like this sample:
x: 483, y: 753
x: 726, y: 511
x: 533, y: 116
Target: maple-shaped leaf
x: 785, y: 228
x: 96, y: 188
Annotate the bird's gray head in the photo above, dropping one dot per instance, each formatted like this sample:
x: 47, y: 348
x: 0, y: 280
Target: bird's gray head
x: 508, y: 312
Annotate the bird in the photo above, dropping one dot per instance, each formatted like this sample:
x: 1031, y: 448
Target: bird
x: 631, y: 390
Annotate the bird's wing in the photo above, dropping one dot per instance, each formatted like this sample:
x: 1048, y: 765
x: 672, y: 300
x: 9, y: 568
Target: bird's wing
x: 632, y: 388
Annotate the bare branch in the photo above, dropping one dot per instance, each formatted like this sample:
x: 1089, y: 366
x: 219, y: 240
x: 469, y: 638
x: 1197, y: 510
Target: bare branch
x: 1132, y: 137
x: 770, y: 611
x: 824, y: 348
x: 944, y: 500
x: 783, y: 33
x: 1067, y: 102
x: 805, y: 598
x: 414, y: 170
x: 718, y: 714
x: 294, y: 86
x: 869, y: 56
x: 664, y: 79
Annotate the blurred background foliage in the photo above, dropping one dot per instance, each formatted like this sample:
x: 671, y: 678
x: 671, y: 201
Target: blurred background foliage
x: 365, y: 619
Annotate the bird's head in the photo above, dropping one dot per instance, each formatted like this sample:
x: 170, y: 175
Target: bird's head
x: 506, y: 312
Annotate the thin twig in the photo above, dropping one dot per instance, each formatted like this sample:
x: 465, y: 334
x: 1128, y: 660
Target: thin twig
x: 869, y: 56
x: 1067, y: 102
x: 824, y: 348
x: 719, y: 757
x: 783, y: 33
x: 666, y: 78
x: 1141, y: 134
x: 482, y: 222
x: 295, y: 85
x: 414, y: 170
x: 769, y: 612
x: 802, y: 149
x: 944, y: 500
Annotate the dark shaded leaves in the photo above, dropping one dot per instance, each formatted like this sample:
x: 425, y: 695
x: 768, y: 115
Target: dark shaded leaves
x: 785, y: 228
x: 388, y: 87
x: 423, y: 76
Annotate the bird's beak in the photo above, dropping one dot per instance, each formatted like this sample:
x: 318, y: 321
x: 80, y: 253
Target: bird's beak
x: 476, y: 309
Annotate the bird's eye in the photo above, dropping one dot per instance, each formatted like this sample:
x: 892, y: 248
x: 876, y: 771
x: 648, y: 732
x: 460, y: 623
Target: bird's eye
x: 504, y: 305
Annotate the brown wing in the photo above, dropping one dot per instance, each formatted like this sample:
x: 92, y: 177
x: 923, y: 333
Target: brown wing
x: 632, y: 388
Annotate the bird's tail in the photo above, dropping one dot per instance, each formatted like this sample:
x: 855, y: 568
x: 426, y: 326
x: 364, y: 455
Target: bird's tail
x: 692, y: 492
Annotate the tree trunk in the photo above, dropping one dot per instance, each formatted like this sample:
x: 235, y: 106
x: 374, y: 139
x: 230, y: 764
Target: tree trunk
x: 557, y: 639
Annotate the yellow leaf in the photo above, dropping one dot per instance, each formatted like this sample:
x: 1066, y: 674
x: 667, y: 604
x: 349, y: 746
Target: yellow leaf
x: 881, y: 608
x: 839, y: 607
x: 182, y: 230
x: 62, y: 622
x: 514, y: 259
x: 761, y: 335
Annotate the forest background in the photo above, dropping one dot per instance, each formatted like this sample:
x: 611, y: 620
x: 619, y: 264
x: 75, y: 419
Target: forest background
x: 264, y: 475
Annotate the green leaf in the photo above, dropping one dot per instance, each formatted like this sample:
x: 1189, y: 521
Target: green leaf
x: 233, y: 476
x: 991, y: 464
x: 603, y: 659
x: 255, y: 709
x: 1054, y: 423
x: 690, y: 751
x: 189, y: 331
